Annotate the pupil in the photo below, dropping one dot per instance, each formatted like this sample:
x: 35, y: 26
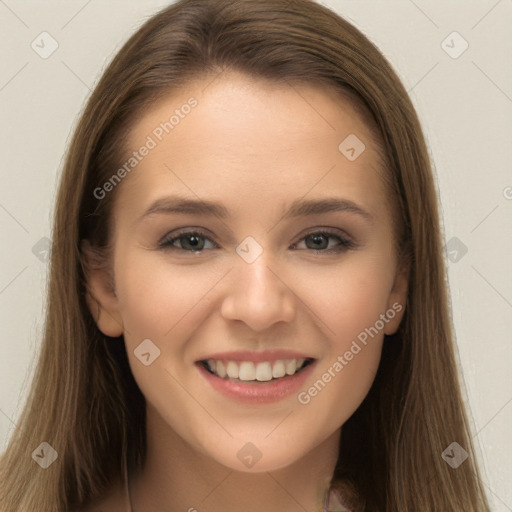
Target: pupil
x: 318, y: 239
x: 193, y: 241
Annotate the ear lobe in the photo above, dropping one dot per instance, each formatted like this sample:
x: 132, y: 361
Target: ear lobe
x: 397, y: 299
x: 100, y: 294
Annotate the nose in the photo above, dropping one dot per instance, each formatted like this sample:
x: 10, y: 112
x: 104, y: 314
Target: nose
x: 258, y: 296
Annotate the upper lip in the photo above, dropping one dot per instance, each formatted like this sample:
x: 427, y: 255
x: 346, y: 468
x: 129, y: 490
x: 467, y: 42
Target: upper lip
x: 248, y: 355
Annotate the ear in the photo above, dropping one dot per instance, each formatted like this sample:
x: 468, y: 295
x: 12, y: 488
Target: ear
x: 397, y: 299
x: 100, y: 292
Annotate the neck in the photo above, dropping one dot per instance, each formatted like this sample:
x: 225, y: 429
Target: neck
x: 177, y: 477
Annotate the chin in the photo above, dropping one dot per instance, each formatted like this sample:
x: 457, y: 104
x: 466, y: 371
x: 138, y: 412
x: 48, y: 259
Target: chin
x: 256, y: 457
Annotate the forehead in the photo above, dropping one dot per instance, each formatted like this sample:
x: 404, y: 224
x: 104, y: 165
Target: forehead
x: 230, y: 134
x: 251, y: 110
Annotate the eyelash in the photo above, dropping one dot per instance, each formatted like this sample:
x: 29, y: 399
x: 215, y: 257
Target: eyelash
x: 344, y: 243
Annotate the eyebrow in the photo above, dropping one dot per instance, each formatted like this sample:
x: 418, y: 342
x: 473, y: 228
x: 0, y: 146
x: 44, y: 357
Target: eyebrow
x: 299, y: 208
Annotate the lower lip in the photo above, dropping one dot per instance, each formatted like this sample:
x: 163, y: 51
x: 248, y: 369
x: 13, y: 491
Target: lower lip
x: 258, y: 392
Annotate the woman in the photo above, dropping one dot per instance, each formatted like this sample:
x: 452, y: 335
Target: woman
x: 247, y: 304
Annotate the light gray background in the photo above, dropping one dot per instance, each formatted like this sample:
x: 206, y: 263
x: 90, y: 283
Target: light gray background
x: 465, y: 105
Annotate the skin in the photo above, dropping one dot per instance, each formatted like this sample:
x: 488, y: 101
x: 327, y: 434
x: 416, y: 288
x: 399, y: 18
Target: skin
x: 255, y: 147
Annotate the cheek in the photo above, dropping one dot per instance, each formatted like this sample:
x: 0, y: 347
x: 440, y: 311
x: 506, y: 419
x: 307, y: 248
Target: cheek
x: 339, y: 386
x: 347, y: 298
x: 351, y: 310
x: 349, y: 303
x: 156, y: 297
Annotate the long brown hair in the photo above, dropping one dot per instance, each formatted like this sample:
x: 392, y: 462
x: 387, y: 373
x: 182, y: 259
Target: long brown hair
x: 84, y: 401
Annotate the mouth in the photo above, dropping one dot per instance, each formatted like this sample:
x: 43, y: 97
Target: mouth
x: 255, y: 371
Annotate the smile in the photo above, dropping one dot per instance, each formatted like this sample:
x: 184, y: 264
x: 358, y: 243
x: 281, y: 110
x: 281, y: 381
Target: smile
x: 252, y: 371
x: 256, y: 378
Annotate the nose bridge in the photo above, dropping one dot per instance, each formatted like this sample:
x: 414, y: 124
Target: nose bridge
x: 257, y: 277
x: 257, y: 295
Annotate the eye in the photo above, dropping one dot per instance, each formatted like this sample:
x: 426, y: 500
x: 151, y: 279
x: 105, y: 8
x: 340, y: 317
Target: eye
x: 319, y: 241
x: 191, y: 241
x: 197, y: 241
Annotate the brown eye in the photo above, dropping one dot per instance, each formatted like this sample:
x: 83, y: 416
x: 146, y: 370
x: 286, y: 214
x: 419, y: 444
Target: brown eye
x: 320, y: 241
x: 190, y: 241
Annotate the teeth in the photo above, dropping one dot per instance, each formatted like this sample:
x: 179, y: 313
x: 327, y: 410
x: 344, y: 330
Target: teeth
x: 263, y: 372
x: 291, y: 366
x: 250, y: 371
x: 278, y: 370
x: 232, y: 370
x: 247, y: 371
x: 220, y: 370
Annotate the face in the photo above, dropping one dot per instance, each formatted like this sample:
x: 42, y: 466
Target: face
x: 254, y: 268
